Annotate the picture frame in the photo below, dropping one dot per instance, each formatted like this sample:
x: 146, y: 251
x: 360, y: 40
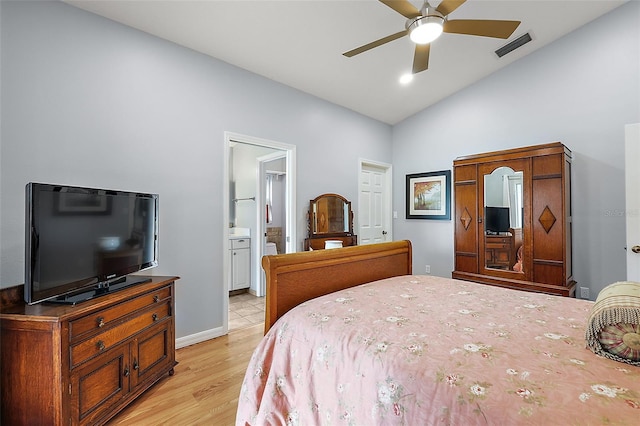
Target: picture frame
x: 429, y: 195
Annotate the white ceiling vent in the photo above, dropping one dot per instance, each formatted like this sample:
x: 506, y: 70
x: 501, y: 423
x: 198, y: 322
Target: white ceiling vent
x: 510, y: 47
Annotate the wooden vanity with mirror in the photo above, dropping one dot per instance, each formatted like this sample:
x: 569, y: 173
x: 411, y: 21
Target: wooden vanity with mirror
x: 513, y: 219
x: 330, y: 219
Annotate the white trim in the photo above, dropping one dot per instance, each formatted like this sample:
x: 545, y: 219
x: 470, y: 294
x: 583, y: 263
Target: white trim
x: 261, y: 217
x: 256, y: 250
x: 632, y: 199
x: 200, y: 337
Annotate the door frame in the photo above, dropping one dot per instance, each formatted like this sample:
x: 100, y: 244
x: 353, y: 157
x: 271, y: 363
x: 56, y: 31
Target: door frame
x: 632, y: 199
x: 261, y: 226
x: 290, y: 206
x: 388, y: 205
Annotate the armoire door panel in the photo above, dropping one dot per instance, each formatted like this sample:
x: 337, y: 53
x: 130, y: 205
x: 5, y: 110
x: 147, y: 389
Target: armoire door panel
x: 466, y: 218
x: 467, y: 262
x: 465, y: 174
x: 548, y: 273
x: 548, y: 165
x: 547, y: 219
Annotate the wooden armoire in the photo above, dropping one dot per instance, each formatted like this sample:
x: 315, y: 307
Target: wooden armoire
x: 513, y: 219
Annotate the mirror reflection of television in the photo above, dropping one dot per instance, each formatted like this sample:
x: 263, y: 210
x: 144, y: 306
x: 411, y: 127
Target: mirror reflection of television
x: 496, y: 220
x: 83, y: 242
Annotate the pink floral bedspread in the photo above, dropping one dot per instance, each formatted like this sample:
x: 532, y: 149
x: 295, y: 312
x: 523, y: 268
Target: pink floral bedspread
x: 422, y: 350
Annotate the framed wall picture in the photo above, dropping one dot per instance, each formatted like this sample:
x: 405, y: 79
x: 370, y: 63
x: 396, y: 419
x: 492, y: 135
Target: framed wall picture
x: 429, y: 195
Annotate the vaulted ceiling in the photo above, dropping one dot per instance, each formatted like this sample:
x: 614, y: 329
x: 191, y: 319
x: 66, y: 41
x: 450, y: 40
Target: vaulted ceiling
x: 300, y: 43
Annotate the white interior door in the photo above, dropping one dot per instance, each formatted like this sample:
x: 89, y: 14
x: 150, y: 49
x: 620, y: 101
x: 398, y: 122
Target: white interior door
x: 632, y: 180
x: 374, y: 203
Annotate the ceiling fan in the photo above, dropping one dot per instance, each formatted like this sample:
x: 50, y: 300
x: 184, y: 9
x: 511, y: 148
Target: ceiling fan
x: 425, y: 25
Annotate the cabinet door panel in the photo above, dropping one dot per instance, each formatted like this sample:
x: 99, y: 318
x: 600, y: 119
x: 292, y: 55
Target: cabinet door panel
x: 100, y: 384
x: 241, y: 268
x: 151, y: 352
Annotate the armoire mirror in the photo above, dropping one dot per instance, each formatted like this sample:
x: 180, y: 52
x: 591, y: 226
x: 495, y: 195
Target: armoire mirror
x: 503, y: 219
x: 330, y: 214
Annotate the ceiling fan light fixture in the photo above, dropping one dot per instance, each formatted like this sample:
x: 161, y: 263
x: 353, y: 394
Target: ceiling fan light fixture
x: 425, y: 29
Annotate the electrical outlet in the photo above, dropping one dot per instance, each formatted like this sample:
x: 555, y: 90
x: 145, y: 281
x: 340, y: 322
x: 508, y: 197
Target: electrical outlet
x: 427, y: 269
x: 584, y: 292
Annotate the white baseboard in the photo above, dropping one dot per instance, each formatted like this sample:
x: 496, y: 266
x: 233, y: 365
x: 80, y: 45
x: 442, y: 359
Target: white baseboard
x: 202, y: 336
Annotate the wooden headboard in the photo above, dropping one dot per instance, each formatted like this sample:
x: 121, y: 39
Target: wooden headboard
x: 297, y: 277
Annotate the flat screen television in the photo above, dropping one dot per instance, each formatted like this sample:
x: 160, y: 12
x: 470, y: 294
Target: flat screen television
x: 83, y: 242
x: 496, y: 220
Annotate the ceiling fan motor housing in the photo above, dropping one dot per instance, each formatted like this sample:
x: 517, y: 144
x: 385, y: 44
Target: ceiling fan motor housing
x: 428, y: 16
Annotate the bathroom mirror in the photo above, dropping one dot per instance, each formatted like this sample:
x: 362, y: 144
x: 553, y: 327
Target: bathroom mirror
x: 503, y: 219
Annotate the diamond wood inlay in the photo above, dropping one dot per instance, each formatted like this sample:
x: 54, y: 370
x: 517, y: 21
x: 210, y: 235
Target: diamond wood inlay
x: 547, y: 219
x: 465, y: 218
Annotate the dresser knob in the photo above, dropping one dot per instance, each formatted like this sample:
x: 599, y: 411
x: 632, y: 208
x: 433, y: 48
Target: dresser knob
x: 100, y: 321
x: 100, y: 345
x: 155, y: 317
x: 126, y: 371
x: 135, y: 365
x: 156, y: 298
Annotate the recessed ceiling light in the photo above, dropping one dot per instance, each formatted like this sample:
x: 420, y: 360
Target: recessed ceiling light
x: 406, y: 78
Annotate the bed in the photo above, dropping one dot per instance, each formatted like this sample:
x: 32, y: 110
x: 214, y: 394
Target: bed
x: 352, y: 337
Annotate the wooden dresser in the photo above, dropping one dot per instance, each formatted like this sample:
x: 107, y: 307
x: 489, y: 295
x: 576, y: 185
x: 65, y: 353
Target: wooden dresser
x: 82, y: 364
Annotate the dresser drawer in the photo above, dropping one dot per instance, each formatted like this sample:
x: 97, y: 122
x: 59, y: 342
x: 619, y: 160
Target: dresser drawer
x: 101, y: 342
x: 96, y: 322
x: 497, y: 245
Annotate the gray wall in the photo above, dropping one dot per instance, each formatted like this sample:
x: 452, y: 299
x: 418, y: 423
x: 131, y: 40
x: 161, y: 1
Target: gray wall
x: 581, y: 90
x: 90, y: 102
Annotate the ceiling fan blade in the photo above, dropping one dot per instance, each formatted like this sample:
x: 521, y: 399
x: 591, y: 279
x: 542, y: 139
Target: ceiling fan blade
x: 448, y: 6
x: 376, y: 43
x: 403, y: 7
x: 421, y: 58
x: 479, y: 27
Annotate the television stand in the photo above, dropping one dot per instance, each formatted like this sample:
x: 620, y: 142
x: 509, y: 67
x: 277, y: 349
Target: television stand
x: 100, y: 290
x: 82, y: 364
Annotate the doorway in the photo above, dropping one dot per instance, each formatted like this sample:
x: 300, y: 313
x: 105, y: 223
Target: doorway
x: 632, y: 177
x: 374, y: 202
x: 272, y: 222
x: 244, y: 204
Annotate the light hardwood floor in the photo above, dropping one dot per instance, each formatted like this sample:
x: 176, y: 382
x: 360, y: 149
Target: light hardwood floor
x: 205, y: 387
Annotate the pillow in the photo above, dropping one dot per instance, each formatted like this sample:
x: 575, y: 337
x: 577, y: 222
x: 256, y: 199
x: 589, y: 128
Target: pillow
x: 613, y: 326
